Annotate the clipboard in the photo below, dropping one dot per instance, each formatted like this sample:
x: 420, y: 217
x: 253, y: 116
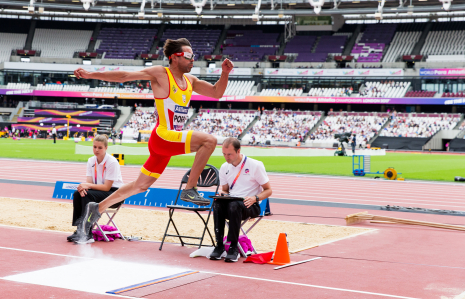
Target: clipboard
x: 229, y: 198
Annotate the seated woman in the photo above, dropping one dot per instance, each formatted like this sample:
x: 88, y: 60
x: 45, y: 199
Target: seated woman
x: 103, y: 178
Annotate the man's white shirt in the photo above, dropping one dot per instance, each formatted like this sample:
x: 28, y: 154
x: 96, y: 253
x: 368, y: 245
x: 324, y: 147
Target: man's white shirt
x: 112, y: 171
x: 54, y: 131
x: 253, y: 176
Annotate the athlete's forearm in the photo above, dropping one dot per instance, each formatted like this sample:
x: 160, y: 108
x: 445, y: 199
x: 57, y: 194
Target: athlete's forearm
x: 117, y: 76
x: 220, y: 85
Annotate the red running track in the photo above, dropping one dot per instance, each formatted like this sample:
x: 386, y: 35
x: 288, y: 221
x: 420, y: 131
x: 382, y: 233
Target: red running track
x: 394, y: 261
x: 298, y: 187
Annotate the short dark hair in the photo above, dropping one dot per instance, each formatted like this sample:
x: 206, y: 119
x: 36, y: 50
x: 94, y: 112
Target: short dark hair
x: 174, y: 46
x: 234, y: 141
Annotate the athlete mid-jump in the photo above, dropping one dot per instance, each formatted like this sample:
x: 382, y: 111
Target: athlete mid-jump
x: 172, y: 89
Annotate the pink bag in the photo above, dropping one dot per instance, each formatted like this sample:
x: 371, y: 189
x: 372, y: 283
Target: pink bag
x: 98, y: 236
x: 245, y: 243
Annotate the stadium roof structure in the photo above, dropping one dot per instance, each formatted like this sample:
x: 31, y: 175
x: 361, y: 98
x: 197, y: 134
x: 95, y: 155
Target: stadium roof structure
x: 203, y: 8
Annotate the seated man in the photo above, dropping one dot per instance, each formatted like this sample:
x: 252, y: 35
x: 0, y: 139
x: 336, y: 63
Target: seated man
x: 240, y: 176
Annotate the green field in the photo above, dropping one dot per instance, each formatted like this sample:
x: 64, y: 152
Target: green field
x: 417, y: 166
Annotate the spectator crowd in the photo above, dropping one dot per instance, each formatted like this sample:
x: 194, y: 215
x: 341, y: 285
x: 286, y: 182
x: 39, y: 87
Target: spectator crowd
x: 418, y: 126
x: 284, y: 126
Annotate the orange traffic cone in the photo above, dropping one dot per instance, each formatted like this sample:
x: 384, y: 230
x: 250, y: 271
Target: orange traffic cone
x: 281, y: 254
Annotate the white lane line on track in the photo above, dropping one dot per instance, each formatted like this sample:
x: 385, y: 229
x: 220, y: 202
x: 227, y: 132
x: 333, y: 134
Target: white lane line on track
x: 310, y: 285
x: 224, y: 274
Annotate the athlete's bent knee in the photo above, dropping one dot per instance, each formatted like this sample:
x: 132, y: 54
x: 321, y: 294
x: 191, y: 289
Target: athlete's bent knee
x: 211, y: 141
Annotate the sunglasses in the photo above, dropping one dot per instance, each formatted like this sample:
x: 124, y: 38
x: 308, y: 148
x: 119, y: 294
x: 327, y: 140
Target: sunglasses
x: 186, y: 55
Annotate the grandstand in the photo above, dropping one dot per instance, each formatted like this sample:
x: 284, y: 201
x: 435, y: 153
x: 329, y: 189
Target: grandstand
x: 222, y: 123
x: 330, y: 92
x: 203, y: 41
x: 364, y: 125
x: 60, y: 43
x: 280, y: 127
x: 420, y: 125
x: 125, y: 43
x: 445, y: 42
x: 240, y: 45
x: 9, y: 42
x: 386, y: 89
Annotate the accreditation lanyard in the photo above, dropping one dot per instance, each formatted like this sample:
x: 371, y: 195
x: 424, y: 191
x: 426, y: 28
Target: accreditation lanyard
x: 237, y: 176
x: 95, y: 171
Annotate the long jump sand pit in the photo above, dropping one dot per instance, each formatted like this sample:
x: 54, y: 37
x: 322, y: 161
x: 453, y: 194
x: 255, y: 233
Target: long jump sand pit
x: 151, y: 224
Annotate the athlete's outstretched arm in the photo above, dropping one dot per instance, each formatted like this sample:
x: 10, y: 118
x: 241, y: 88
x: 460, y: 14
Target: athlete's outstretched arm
x: 120, y: 76
x: 214, y: 91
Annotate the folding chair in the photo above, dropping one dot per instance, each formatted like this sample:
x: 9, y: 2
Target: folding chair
x: 245, y: 232
x: 208, y: 178
x: 111, y: 210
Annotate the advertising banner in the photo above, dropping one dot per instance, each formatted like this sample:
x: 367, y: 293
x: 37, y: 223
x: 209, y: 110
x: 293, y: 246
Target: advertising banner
x: 72, y: 67
x: 49, y: 128
x: 74, y: 113
x: 50, y: 120
x: 269, y: 72
x: 442, y: 72
x: 235, y: 71
x: 276, y: 99
x: 347, y: 100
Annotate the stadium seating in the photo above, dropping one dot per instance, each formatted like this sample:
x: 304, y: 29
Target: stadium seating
x: 282, y: 126
x: 371, y: 43
x: 18, y: 86
x: 404, y: 125
x: 9, y: 42
x: 453, y: 94
x: 364, y: 125
x: 445, y: 38
x: 294, y: 92
x: 203, y: 41
x: 330, y: 92
x: 222, y: 123
x: 331, y: 44
x: 388, y: 90
x: 420, y: 94
x: 125, y: 43
x: 58, y: 43
x: 141, y: 120
x: 238, y: 45
x: 310, y: 48
x: 239, y: 88
x: 301, y: 45
x: 407, y: 35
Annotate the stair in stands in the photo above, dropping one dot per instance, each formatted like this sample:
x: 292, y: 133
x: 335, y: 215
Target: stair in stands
x: 421, y: 42
x: 248, y: 128
x: 93, y: 41
x: 315, y: 127
x: 153, y: 50
x: 380, y: 130
x: 194, y: 115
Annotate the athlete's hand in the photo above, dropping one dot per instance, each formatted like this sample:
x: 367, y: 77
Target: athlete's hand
x: 227, y: 66
x: 82, y: 73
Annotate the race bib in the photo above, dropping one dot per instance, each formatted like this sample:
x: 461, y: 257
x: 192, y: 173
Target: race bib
x: 180, y: 117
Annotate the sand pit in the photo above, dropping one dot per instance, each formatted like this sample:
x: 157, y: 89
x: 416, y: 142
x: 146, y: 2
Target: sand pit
x: 151, y: 224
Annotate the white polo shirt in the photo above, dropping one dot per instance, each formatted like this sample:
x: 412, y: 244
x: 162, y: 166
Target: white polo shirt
x: 250, y: 181
x: 112, y: 171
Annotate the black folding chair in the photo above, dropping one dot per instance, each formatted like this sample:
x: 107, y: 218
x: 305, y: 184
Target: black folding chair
x: 208, y: 178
